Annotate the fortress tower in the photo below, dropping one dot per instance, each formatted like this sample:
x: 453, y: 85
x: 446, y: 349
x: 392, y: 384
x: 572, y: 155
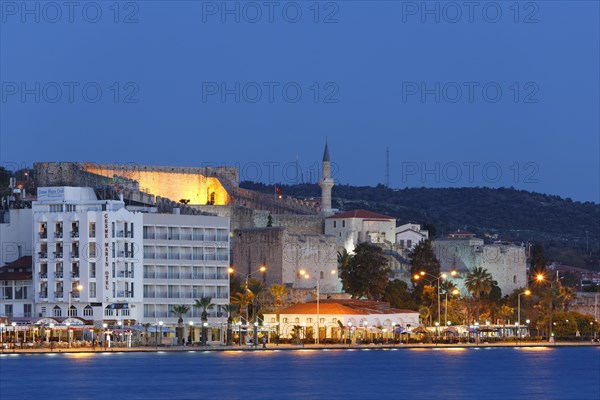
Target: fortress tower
x: 326, y: 183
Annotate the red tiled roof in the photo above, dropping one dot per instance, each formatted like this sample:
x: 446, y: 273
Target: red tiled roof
x: 22, y: 262
x: 324, y: 308
x: 364, y: 214
x: 15, y: 276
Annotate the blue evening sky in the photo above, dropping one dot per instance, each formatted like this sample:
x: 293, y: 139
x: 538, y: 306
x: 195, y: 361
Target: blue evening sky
x: 462, y: 94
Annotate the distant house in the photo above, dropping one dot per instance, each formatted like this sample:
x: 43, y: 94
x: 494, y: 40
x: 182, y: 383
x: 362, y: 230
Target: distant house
x: 357, y: 226
x: 16, y: 292
x: 409, y: 235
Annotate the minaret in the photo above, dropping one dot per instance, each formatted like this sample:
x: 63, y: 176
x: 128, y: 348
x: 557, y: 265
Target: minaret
x: 326, y: 183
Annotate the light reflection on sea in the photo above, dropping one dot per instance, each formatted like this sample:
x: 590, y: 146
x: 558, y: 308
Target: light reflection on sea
x: 442, y: 373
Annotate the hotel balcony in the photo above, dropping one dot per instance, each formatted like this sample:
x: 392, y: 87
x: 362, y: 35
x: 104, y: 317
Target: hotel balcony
x: 75, y: 234
x: 75, y: 254
x: 58, y: 254
x: 44, y: 295
x: 75, y: 274
x: 43, y: 275
x: 58, y: 235
x: 58, y: 275
x: 43, y: 235
x: 58, y: 295
x: 42, y: 255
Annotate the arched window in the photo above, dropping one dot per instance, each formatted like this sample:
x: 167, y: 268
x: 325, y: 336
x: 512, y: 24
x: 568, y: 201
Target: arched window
x: 108, y: 312
x: 73, y: 311
x: 56, y: 311
x: 88, y: 311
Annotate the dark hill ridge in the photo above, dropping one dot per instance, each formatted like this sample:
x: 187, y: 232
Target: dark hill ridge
x: 515, y: 215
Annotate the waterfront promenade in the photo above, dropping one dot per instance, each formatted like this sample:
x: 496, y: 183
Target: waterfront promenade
x: 284, y: 347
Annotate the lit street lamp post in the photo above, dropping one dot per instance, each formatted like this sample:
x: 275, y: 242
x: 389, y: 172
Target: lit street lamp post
x: 254, y: 304
x: 191, y: 334
x: 318, y: 279
x: 78, y: 289
x: 526, y: 293
x: 160, y: 325
x: 438, y: 279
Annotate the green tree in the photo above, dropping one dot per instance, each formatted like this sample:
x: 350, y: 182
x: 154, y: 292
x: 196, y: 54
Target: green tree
x: 205, y: 303
x: 343, y: 259
x: 478, y: 281
x: 367, y: 273
x: 180, y: 311
x: 423, y: 258
x: 399, y: 295
x: 278, y: 292
x: 537, y: 261
x: 243, y: 300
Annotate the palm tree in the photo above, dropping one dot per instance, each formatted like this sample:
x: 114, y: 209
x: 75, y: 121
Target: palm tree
x: 242, y: 300
x: 205, y: 303
x: 278, y: 292
x: 229, y: 308
x: 180, y: 311
x: 479, y: 281
x: 566, y: 295
x: 343, y: 259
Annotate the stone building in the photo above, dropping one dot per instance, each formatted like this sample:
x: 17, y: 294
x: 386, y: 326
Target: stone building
x: 462, y: 251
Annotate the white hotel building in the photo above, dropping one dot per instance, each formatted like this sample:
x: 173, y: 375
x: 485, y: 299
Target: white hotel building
x: 82, y: 241
x: 133, y: 265
x: 185, y: 257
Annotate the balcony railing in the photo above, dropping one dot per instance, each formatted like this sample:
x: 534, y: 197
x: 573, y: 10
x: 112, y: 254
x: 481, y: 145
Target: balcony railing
x: 58, y: 275
x: 92, y: 254
x: 43, y: 295
x: 58, y: 295
x: 58, y: 235
x: 75, y: 234
x: 43, y: 254
x: 43, y: 275
x: 43, y: 235
x: 58, y: 254
x: 75, y: 254
x: 75, y: 274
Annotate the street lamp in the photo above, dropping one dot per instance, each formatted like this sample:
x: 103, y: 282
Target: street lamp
x: 2, y: 335
x: 526, y: 293
x: 14, y: 326
x: 318, y: 279
x: 438, y: 279
x: 77, y: 288
x: 366, y: 323
x: 455, y: 292
x: 160, y: 325
x: 541, y: 278
x: 254, y: 302
x: 104, y: 326
x: 191, y: 335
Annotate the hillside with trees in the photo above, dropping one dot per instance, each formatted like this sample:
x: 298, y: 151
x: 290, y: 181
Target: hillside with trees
x: 568, y: 230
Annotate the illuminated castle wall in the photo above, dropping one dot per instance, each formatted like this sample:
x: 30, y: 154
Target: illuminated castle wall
x: 170, y: 182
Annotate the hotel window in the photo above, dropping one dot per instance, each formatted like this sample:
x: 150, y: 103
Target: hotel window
x: 5, y: 290
x: 108, y: 312
x: 322, y: 321
x: 92, y: 229
x: 92, y: 270
x: 334, y: 224
x: 309, y: 320
x: 409, y: 244
x: 88, y: 311
x: 343, y: 223
x: 285, y: 320
x: 297, y: 320
x: 8, y: 310
x: 92, y: 289
x: 27, y: 310
x: 72, y: 311
x: 514, y: 279
x: 56, y: 311
x: 273, y: 320
x: 70, y: 207
x: 333, y: 319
